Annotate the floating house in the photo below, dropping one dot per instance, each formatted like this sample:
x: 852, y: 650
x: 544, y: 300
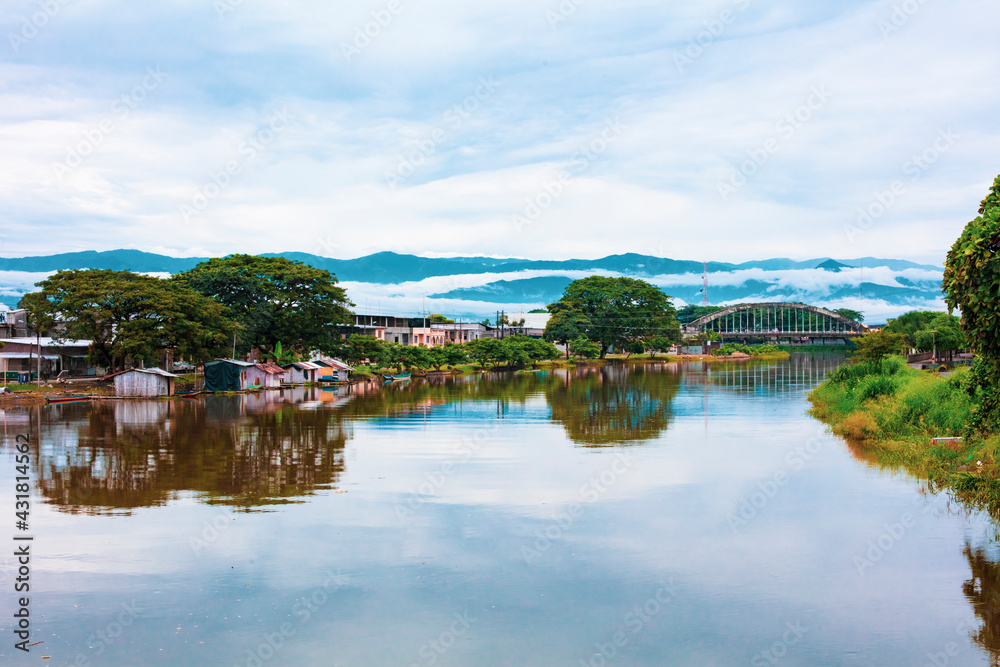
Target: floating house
x: 267, y: 375
x: 301, y: 372
x: 143, y: 382
x: 227, y: 375
x: 333, y: 370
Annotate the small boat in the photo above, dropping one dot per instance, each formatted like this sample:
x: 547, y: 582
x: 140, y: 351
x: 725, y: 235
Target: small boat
x: 400, y: 376
x: 187, y: 394
x: 255, y: 387
x: 69, y: 398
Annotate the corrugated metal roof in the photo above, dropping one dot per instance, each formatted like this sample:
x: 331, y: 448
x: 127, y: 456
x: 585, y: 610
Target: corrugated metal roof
x: 156, y: 371
x: 148, y: 371
x: 270, y: 368
x: 49, y: 342
x: 306, y: 365
x: 333, y: 363
x: 25, y: 355
x: 235, y: 362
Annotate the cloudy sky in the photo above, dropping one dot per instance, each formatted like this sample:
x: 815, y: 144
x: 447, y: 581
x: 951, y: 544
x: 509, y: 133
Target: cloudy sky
x: 732, y: 130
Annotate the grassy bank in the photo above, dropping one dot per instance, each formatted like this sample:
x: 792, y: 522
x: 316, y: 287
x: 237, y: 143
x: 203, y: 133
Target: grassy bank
x: 889, y: 413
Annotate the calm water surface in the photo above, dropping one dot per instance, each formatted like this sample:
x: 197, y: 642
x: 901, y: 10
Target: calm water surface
x: 676, y: 515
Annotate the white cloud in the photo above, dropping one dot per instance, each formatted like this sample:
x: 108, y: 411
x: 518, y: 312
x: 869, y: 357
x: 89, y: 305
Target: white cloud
x: 654, y: 187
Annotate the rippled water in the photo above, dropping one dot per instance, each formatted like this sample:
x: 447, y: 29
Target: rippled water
x: 672, y: 515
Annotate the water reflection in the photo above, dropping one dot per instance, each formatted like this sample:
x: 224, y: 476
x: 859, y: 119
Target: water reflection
x: 983, y: 592
x: 383, y: 585
x: 121, y: 455
x: 614, y: 404
x: 765, y: 377
x: 273, y: 447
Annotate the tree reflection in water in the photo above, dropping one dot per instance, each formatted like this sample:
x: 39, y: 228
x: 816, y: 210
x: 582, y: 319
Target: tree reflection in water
x: 983, y: 592
x: 613, y: 404
x: 122, y: 455
x: 273, y: 447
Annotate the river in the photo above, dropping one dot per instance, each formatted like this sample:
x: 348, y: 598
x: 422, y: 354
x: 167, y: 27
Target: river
x: 668, y: 515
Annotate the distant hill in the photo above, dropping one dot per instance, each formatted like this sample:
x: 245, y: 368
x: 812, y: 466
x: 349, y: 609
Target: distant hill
x: 832, y: 265
x: 390, y: 268
x: 461, y: 286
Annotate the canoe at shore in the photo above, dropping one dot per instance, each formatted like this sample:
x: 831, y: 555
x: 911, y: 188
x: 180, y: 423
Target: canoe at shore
x: 69, y: 398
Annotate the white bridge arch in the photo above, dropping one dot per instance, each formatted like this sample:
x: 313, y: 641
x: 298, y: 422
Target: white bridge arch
x: 776, y: 320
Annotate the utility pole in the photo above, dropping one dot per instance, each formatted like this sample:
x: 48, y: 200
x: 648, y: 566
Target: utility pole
x: 704, y: 284
x: 861, y: 288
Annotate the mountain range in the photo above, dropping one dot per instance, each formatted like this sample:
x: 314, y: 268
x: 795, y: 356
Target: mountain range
x: 472, y: 286
x: 390, y: 267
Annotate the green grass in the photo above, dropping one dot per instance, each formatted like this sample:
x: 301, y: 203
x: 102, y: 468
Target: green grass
x: 889, y: 413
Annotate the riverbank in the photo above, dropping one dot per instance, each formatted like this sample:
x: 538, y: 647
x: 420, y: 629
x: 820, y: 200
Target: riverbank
x: 29, y: 395
x: 573, y: 363
x: 895, y: 416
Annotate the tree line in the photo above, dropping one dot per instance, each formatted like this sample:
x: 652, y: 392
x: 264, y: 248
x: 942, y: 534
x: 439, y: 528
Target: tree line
x: 513, y: 352
x: 221, y: 306
x: 283, y: 310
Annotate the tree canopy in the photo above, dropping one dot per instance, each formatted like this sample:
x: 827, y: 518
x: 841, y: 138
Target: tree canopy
x: 130, y: 316
x: 877, y: 345
x: 910, y: 323
x: 274, y: 299
x: 971, y: 284
x: 972, y: 276
x: 944, y: 332
x: 514, y: 351
x: 855, y: 315
x: 611, y: 312
x: 691, y: 312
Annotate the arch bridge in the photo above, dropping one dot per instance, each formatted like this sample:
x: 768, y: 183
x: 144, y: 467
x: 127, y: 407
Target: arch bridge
x: 775, y: 320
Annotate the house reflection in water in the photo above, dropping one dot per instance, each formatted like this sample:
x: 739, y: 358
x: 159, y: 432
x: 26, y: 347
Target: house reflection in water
x: 112, y: 455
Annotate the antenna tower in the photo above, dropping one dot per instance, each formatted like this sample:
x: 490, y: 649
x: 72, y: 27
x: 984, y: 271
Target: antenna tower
x: 704, y: 284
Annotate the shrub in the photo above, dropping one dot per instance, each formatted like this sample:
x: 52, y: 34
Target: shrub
x: 874, y: 386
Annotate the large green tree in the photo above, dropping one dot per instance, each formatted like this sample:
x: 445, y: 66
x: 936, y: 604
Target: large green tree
x: 972, y: 276
x: 855, y: 315
x: 615, y: 311
x: 910, y: 323
x: 943, y: 333
x: 567, y: 323
x: 972, y: 285
x: 877, y: 345
x: 129, y: 316
x: 273, y: 298
x: 362, y: 349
